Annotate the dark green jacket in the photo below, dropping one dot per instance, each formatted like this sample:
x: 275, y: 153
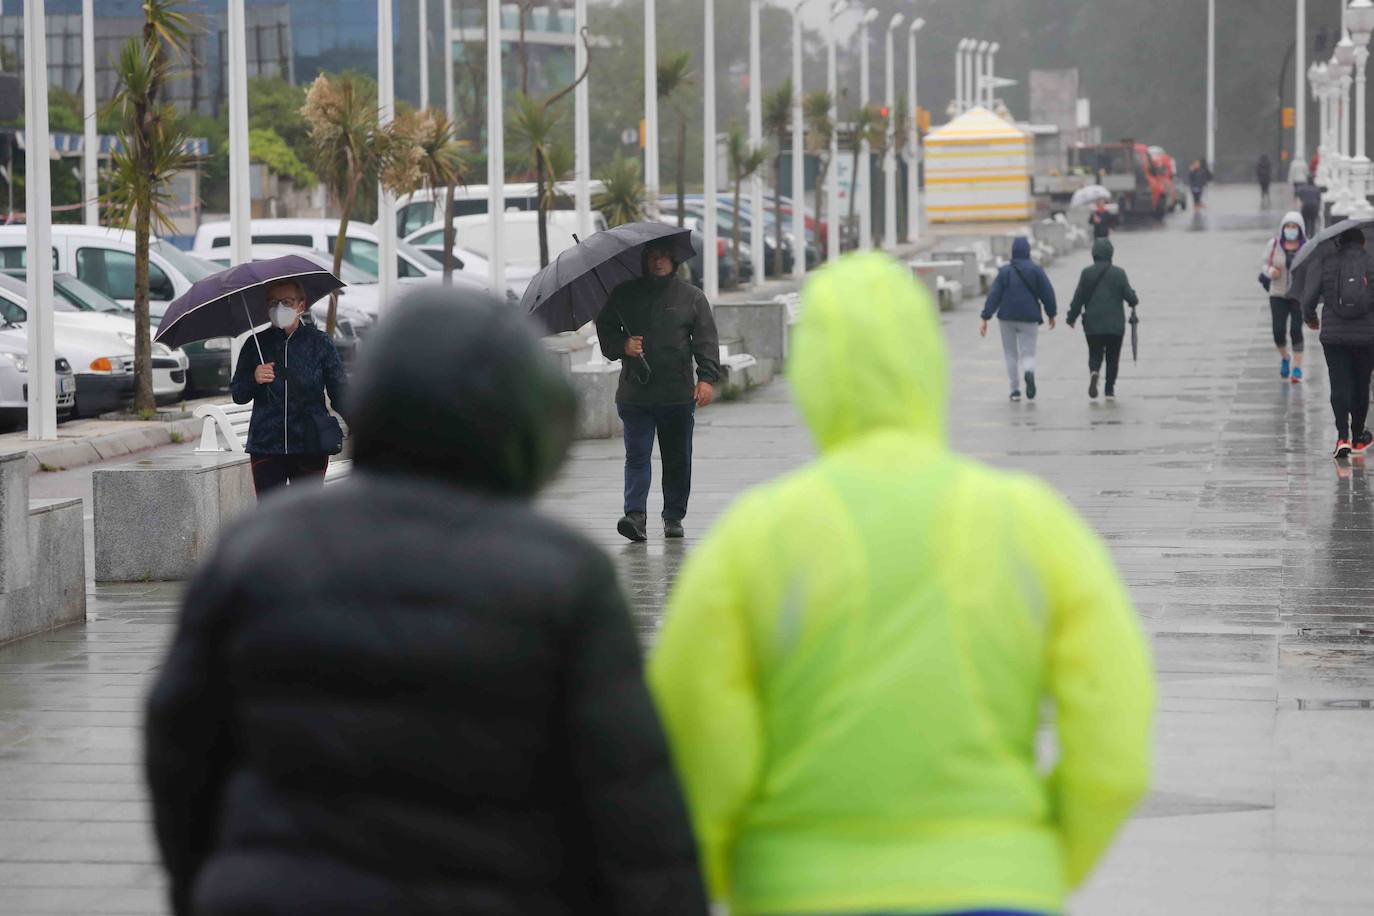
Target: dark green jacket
x: 1103, y: 312
x: 678, y: 328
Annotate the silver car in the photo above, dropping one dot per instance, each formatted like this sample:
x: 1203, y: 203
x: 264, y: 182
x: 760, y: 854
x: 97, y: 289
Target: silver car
x: 14, y: 381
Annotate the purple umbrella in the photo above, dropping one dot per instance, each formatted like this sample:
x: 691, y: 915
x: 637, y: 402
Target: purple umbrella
x: 235, y: 300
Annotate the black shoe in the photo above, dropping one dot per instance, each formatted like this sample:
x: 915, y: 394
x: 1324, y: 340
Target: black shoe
x: 632, y: 526
x: 1092, y: 385
x: 1016, y: 395
x: 1030, y: 385
x: 672, y: 528
x: 1109, y: 393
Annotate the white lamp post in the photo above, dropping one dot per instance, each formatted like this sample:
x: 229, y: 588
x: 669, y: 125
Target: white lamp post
x: 38, y: 231
x: 756, y: 142
x: 1211, y: 84
x: 863, y: 179
x: 971, y: 75
x: 990, y: 83
x: 448, y: 60
x: 387, y: 281
x: 240, y: 193
x: 890, y: 153
x: 832, y: 175
x: 424, y: 53
x: 798, y: 152
x: 582, y: 131
x: 959, y: 51
x: 89, y: 175
x: 1360, y: 21
x: 913, y: 139
x: 1299, y: 96
x: 979, y: 57
x: 496, y: 155
x: 710, y: 257
x: 651, y: 104
x: 1341, y: 66
x: 1319, y: 79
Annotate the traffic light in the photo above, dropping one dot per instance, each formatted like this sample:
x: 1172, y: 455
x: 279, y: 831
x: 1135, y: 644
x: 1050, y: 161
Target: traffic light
x: 1288, y: 119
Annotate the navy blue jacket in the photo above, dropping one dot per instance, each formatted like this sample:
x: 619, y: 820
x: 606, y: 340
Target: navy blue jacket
x: 1020, y: 289
x: 306, y: 365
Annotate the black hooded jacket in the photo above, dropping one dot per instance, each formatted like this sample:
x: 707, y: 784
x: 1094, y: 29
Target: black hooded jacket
x: 409, y: 692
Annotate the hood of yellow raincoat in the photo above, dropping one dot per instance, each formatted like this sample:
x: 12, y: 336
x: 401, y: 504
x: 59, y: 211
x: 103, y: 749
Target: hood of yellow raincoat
x: 868, y: 354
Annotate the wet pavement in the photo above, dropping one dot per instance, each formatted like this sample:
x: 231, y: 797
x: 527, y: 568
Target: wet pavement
x: 1246, y: 548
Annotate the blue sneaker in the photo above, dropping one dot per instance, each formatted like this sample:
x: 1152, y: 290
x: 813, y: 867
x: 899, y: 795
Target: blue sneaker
x: 1283, y: 368
x: 1297, y: 375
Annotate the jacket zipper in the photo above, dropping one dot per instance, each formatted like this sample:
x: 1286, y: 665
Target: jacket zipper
x: 286, y: 382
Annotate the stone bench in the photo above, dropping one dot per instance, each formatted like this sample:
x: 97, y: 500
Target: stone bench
x: 761, y: 330
x: 941, y: 278
x: 42, y: 556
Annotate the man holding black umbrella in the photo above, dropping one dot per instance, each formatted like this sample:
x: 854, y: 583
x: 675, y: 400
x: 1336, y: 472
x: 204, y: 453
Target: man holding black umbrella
x: 659, y: 326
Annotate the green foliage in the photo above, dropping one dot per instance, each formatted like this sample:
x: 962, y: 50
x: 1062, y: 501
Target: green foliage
x: 274, y: 104
x: 266, y: 146
x: 64, y: 112
x: 743, y: 160
x: 623, y: 199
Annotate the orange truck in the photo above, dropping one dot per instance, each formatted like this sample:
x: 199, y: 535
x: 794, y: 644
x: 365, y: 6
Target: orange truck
x: 1140, y: 178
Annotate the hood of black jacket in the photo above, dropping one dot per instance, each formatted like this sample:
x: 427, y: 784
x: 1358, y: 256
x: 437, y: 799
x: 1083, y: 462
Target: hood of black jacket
x: 457, y: 386
x: 1103, y: 250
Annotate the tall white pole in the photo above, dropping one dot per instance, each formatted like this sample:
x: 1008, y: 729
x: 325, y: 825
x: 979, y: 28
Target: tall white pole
x: 89, y: 170
x: 496, y: 155
x: 959, y: 50
x: 913, y: 139
x: 971, y: 75
x: 1299, y: 89
x: 832, y: 174
x: 651, y: 176
x: 756, y: 142
x: 989, y: 90
x: 710, y: 262
x: 424, y: 54
x: 798, y: 153
x: 1361, y: 60
x: 582, y: 133
x: 890, y: 129
x: 38, y: 217
x: 1212, y: 84
x: 1346, y: 82
x: 862, y: 181
x: 240, y: 194
x: 448, y: 61
x: 387, y: 282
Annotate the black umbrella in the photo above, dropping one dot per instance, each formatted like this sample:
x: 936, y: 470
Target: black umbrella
x: 1135, y: 341
x: 1307, y: 262
x: 235, y: 300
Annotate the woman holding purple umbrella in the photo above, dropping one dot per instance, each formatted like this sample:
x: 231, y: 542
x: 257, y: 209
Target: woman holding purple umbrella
x: 286, y: 376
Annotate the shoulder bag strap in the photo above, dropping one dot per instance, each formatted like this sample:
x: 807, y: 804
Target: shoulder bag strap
x: 1026, y: 283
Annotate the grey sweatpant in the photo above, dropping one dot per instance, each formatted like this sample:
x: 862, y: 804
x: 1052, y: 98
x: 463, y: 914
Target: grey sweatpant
x: 1018, y: 348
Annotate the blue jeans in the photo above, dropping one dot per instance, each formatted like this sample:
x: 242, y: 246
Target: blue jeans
x: 673, y: 425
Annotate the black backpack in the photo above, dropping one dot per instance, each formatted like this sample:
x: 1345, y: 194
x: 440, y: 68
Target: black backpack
x: 1350, y: 298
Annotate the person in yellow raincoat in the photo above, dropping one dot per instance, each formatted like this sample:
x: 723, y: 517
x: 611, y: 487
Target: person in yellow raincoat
x: 855, y: 661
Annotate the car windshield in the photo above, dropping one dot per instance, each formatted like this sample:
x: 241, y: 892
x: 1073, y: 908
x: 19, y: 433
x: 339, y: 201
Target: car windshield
x: 191, y: 267
x: 521, y: 240
x: 418, y: 256
x: 84, y: 296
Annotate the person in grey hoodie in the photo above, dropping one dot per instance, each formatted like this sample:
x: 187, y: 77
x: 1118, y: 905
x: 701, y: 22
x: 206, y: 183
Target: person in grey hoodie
x: 1283, y: 297
x: 1017, y: 297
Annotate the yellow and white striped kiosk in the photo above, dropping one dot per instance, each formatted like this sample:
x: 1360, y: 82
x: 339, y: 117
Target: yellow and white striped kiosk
x: 977, y: 170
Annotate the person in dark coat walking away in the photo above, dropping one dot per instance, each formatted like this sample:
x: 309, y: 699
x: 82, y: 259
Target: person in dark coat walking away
x: 1102, y: 294
x: 659, y: 325
x: 1198, y: 179
x: 412, y: 693
x: 287, y: 386
x: 1347, y: 337
x: 1102, y: 220
x: 1310, y: 205
x: 1283, y: 297
x: 1264, y: 174
x: 1017, y: 296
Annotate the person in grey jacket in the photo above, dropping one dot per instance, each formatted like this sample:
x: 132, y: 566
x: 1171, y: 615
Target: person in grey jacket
x: 658, y: 326
x: 1017, y: 297
x: 1347, y: 337
x: 1283, y: 298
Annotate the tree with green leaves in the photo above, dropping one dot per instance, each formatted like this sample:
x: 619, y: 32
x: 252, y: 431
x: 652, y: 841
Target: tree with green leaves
x: 622, y: 199
x: 151, y: 151
x: 443, y: 163
x: 819, y: 130
x: 267, y: 147
x: 777, y: 121
x: 674, y: 76
x: 743, y: 161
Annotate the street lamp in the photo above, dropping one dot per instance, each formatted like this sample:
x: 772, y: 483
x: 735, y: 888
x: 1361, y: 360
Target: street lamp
x: 756, y: 142
x: 1320, y: 79
x: 240, y: 187
x: 990, y: 83
x: 864, y: 178
x: 1339, y: 68
x: 798, y: 152
x: 913, y: 140
x: 496, y: 155
x: 42, y: 387
x: 832, y: 176
x: 651, y: 104
x: 582, y: 131
x: 90, y: 180
x: 1299, y: 98
x: 387, y: 281
x: 1359, y: 19
x: 710, y: 256
x: 976, y: 85
x: 890, y: 131
x: 960, y: 52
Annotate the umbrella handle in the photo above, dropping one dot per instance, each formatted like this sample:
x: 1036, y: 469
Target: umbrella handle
x: 261, y: 359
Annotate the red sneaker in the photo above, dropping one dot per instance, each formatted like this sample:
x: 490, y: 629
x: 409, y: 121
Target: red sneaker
x: 1361, y: 444
x: 1342, y: 449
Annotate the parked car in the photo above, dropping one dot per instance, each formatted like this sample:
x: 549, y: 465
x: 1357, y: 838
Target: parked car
x: 417, y: 210
x: 728, y: 274
x: 14, y: 381
x: 104, y: 259
x: 360, y: 243
x: 724, y: 229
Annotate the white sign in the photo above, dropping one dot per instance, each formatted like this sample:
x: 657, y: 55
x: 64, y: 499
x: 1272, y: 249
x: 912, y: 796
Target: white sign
x: 629, y: 136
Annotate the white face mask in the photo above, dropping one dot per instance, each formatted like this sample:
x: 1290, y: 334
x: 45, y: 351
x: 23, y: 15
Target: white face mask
x: 1290, y: 233
x: 283, y: 316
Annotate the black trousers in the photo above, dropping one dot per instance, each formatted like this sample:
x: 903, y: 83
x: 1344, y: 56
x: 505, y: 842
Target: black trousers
x: 1349, y: 368
x: 272, y: 471
x: 1310, y: 216
x: 1108, y: 347
x: 1287, y: 315
x: 672, y: 424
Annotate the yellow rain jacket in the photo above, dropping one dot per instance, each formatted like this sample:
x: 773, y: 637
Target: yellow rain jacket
x: 854, y: 662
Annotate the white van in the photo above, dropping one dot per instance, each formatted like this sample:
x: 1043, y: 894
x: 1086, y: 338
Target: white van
x: 417, y: 210
x: 360, y: 246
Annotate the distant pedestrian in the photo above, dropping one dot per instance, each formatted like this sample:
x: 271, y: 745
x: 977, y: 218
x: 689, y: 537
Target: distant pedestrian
x: 413, y: 693
x: 1312, y: 165
x: 1199, y: 176
x: 1264, y: 174
x: 1298, y: 172
x: 1284, y: 308
x: 1310, y: 205
x: 854, y: 661
x: 287, y: 387
x: 1102, y: 220
x: 1347, y: 337
x: 1102, y: 294
x: 1018, y: 295
x: 658, y: 326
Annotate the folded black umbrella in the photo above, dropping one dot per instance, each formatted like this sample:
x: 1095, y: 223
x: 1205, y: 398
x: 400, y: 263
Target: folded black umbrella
x: 235, y: 300
x: 1135, y: 341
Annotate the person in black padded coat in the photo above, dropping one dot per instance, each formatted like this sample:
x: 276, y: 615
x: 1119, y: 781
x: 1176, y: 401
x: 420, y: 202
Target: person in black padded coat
x: 409, y: 692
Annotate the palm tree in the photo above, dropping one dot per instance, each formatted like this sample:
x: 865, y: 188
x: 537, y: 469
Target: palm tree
x: 744, y: 161
x: 819, y: 129
x: 622, y: 201
x: 674, y: 76
x: 777, y: 121
x: 151, y: 151
x: 868, y: 125
x: 443, y: 164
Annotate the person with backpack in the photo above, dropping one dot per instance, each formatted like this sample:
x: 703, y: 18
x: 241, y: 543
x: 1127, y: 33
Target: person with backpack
x: 1103, y: 290
x: 1347, y: 337
x: 1017, y: 296
x: 1276, y: 277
